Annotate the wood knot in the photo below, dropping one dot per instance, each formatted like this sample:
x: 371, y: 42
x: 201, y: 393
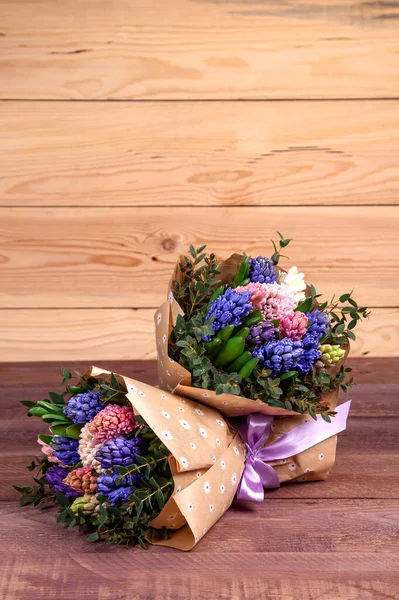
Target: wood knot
x: 168, y: 244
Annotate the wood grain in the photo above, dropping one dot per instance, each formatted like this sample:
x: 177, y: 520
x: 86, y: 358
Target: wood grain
x: 128, y: 334
x: 192, y: 154
x: 330, y: 540
x: 124, y: 256
x: 199, y: 49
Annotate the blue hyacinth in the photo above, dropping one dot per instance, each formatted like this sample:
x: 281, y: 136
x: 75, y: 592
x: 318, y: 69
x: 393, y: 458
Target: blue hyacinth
x: 280, y: 356
x: 261, y: 270
x: 117, y: 488
x: 119, y: 451
x: 229, y: 309
x: 310, y: 354
x: 319, y: 323
x: 261, y: 333
x: 82, y: 408
x: 66, y: 450
x: 55, y: 476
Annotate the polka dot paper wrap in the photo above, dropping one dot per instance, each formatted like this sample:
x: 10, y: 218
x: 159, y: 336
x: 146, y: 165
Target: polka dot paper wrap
x: 311, y: 465
x: 207, y: 459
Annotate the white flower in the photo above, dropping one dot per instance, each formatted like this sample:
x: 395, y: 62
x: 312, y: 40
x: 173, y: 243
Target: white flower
x: 296, y: 281
x: 292, y: 466
x: 234, y: 479
x: 166, y: 414
x: 236, y: 450
x: 199, y: 411
x: 169, y: 388
x: 207, y: 487
x: 193, y: 446
x: 223, y: 464
x: 307, y: 470
x: 132, y: 388
x: 203, y: 432
x: 198, y: 474
x: 142, y: 394
x: 214, y: 459
x: 166, y: 435
x: 164, y: 396
x: 181, y: 408
x: 170, y: 297
x: 222, y: 488
x: 185, y: 424
x: 159, y: 318
x: 205, y: 395
x: 164, y: 339
x: 211, y: 507
x: 217, y: 441
x: 220, y: 422
x: 183, y: 461
x: 190, y: 507
x: 178, y: 488
x: 205, y: 529
x: 321, y: 456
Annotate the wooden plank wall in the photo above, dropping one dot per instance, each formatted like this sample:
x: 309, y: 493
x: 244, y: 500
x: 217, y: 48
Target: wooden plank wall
x: 130, y: 129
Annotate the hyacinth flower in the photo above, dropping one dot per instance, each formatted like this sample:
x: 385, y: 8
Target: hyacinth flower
x: 229, y: 309
x: 88, y: 504
x: 258, y: 293
x: 261, y: 333
x: 261, y: 270
x: 66, y: 450
x: 296, y: 281
x: 293, y: 326
x: 55, y: 478
x: 82, y: 408
x: 112, y: 421
x: 278, y: 301
x: 82, y: 480
x: 311, y: 354
x: 319, y: 323
x: 88, y: 447
x: 331, y: 354
x: 280, y: 356
x: 49, y: 452
x: 120, y: 452
x: 116, y: 488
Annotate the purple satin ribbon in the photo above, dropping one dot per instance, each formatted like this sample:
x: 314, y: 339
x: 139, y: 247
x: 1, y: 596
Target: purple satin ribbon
x: 257, y: 474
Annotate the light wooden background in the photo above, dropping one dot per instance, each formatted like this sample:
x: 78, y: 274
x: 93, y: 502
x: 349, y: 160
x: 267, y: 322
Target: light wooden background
x: 129, y: 129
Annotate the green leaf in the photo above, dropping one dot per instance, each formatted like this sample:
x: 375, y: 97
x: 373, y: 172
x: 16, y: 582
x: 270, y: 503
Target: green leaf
x: 56, y: 398
x: 339, y: 328
x: 351, y: 335
x: 94, y: 537
x: 160, y: 498
x: 58, y: 429
x: 47, y: 439
x: 352, y: 324
x: 73, y: 431
x: 28, y: 403
x: 344, y: 297
x: 288, y: 375
x: 305, y: 305
x: 62, y: 500
x: 142, y: 543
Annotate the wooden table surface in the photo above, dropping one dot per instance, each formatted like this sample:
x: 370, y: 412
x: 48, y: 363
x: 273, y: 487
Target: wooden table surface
x: 321, y: 540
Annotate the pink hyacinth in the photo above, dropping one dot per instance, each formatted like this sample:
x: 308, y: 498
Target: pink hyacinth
x: 49, y: 452
x: 258, y: 294
x: 82, y: 480
x: 293, y: 326
x: 111, y: 421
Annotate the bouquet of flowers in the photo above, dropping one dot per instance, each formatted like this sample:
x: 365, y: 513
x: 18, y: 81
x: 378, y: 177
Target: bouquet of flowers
x: 131, y: 463
x: 245, y: 336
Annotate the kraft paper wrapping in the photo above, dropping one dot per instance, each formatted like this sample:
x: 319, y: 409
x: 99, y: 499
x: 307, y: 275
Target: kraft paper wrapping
x: 311, y: 465
x: 206, y: 463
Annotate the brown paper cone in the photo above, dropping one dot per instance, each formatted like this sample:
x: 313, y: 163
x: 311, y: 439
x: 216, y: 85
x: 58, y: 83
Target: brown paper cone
x: 207, y: 459
x: 313, y: 464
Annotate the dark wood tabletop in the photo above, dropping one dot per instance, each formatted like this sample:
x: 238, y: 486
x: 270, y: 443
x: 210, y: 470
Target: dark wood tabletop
x: 320, y: 540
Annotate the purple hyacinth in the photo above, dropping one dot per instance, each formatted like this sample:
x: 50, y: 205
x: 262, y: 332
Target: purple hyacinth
x: 117, y: 488
x: 119, y: 451
x: 229, y: 309
x: 319, y: 323
x: 310, y: 354
x: 55, y: 476
x: 261, y: 270
x: 82, y: 408
x: 261, y: 333
x: 280, y: 356
x: 66, y: 449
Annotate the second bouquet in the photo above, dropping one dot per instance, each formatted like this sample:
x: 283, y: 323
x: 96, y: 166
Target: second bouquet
x: 245, y: 336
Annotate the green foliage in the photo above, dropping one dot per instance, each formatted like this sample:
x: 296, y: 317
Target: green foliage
x: 344, y: 315
x: 198, y: 281
x: 282, y: 243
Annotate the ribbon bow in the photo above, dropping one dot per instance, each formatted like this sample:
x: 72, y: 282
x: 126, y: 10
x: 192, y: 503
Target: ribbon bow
x: 257, y: 474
